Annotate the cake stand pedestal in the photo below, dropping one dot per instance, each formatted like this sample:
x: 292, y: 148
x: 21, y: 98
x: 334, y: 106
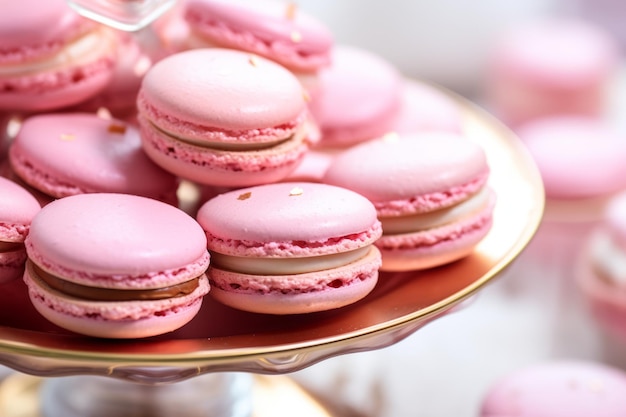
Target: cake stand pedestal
x: 221, y: 341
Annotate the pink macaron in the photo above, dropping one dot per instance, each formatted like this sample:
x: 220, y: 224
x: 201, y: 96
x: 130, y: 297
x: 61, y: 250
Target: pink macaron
x: 223, y: 117
x: 551, y: 66
x: 578, y: 157
x: 602, y: 269
x: 430, y: 191
x: 359, y: 98
x: 291, y: 248
x: 50, y: 57
x: 16, y: 213
x: 116, y: 265
x: 558, y: 389
x: 64, y: 154
x: 424, y: 108
x: 270, y: 28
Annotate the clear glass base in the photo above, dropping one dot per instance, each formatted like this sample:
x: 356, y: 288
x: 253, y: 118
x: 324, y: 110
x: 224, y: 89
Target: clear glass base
x: 126, y: 15
x: 220, y: 394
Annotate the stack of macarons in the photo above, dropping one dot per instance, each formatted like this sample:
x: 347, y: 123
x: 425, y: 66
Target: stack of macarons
x: 247, y: 108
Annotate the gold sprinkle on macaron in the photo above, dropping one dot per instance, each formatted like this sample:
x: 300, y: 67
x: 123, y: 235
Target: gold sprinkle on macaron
x: 244, y: 196
x: 306, y: 96
x: 391, y: 137
x: 104, y: 113
x: 290, y: 12
x: 296, y: 36
x: 253, y: 60
x: 117, y: 128
x: 67, y: 137
x: 295, y: 191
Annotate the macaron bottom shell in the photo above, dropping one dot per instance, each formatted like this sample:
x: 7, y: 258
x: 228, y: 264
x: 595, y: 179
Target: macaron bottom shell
x: 217, y: 167
x: 296, y: 294
x: 434, y: 247
x: 114, y: 320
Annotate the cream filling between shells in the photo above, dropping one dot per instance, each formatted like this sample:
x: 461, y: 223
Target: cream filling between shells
x: 85, y: 49
x: 299, y: 135
x: 286, y: 266
x: 424, y: 221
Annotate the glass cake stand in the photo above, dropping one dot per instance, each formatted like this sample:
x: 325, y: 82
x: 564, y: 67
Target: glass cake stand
x: 221, y: 341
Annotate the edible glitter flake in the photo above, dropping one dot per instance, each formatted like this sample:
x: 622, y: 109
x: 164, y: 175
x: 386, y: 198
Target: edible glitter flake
x: 296, y: 191
x: 244, y: 196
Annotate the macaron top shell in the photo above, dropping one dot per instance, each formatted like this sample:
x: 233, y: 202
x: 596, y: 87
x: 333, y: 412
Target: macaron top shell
x: 16, y: 211
x: 558, y: 389
x: 578, y: 157
x: 359, y: 96
x: 88, y: 153
x: 564, y: 53
x: 222, y: 92
x: 111, y: 237
x: 25, y: 34
x: 310, y: 218
x: 614, y: 220
x: 271, y: 28
x: 394, y: 170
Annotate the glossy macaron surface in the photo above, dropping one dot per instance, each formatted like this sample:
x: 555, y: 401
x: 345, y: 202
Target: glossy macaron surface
x: 227, y: 91
x: 73, y: 153
x: 288, y: 219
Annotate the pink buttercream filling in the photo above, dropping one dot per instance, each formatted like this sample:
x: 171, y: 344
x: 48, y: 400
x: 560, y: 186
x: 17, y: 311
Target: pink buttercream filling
x: 287, y: 52
x: 147, y: 280
x: 436, y: 236
x: 169, y: 123
x: 294, y: 248
x: 433, y: 201
x: 53, y: 80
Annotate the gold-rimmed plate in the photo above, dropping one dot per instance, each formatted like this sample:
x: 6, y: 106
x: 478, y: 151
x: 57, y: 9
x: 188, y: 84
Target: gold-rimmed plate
x: 224, y: 339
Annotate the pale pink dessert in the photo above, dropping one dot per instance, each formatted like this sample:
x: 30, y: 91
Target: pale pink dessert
x: 274, y: 29
x: 548, y: 67
x: 359, y: 98
x: 62, y: 154
x: 51, y: 57
x: 558, y: 389
x: 430, y: 192
x: 16, y: 213
x: 291, y: 248
x: 426, y: 108
x: 222, y: 117
x: 116, y: 265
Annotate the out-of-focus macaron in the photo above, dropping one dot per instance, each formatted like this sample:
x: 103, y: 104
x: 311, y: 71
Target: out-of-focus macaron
x: 430, y: 191
x: 578, y: 157
x: 274, y: 29
x: 558, y: 389
x: 17, y: 210
x: 291, y: 248
x: 551, y: 66
x: 359, y: 98
x: 602, y: 271
x: 51, y: 57
x: 426, y: 108
x: 116, y: 265
x: 119, y: 96
x: 63, y: 154
x: 223, y: 117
